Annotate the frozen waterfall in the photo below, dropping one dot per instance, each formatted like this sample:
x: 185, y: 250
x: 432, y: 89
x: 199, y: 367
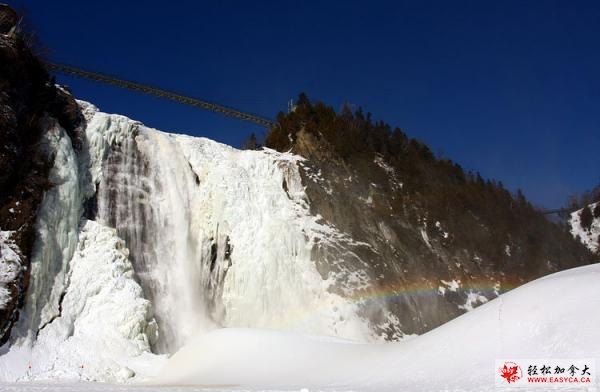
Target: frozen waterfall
x: 148, y: 239
x: 217, y: 236
x: 146, y: 193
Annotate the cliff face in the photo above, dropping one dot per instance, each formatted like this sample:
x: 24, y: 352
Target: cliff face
x: 27, y: 99
x: 585, y: 226
x: 433, y: 242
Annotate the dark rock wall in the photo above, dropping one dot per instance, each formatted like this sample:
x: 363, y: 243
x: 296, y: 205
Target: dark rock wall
x: 419, y: 236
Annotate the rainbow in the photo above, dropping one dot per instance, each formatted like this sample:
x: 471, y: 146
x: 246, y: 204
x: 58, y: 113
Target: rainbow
x: 326, y: 308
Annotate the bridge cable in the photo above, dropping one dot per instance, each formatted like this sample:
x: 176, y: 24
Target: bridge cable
x: 227, y: 111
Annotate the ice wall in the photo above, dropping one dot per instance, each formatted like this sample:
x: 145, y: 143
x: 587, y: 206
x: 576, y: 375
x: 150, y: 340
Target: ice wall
x: 85, y: 316
x: 218, y: 236
x: 257, y: 199
x: 146, y: 193
x: 147, y: 239
x: 104, y: 328
x: 57, y: 225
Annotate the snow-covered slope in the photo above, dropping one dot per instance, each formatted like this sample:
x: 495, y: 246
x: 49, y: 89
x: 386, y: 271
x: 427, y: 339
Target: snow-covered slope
x: 589, y: 237
x: 552, y: 317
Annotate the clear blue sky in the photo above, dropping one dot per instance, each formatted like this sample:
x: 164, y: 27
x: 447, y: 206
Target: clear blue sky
x: 508, y: 88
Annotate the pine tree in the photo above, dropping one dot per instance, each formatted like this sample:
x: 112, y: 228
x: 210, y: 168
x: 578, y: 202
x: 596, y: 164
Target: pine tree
x: 251, y: 143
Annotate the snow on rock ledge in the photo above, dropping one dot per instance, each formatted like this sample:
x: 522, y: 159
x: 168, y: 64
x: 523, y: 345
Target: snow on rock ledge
x: 591, y: 237
x: 10, y: 266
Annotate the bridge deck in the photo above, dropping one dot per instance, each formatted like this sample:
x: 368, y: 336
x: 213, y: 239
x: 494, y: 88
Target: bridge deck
x: 155, y: 91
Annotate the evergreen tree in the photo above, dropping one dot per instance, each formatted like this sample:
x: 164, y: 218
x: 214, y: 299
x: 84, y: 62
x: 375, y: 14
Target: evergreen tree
x: 251, y: 143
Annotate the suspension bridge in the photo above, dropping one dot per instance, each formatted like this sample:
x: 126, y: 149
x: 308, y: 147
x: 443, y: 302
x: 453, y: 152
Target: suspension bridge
x: 183, y: 99
x: 556, y: 211
x: 158, y: 92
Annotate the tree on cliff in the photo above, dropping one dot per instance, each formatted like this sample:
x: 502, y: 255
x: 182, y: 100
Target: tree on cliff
x: 251, y: 143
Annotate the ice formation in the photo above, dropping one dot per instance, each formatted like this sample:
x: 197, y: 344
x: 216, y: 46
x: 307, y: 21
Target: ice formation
x: 10, y: 265
x: 148, y: 239
x: 57, y: 226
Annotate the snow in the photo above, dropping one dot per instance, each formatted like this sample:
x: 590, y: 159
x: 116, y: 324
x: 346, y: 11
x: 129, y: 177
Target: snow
x: 85, y: 316
x: 105, y: 325
x: 441, y: 230
x: 452, y: 285
x: 458, y: 355
x: 389, y: 170
x: 473, y: 298
x: 589, y: 238
x: 233, y: 195
x: 314, y: 176
x: 272, y: 281
x: 10, y: 265
x: 425, y: 237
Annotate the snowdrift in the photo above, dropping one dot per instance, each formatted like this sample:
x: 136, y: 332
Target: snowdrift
x: 552, y: 317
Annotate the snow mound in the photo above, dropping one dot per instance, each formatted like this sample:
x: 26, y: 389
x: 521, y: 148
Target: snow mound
x: 104, y: 326
x: 551, y: 317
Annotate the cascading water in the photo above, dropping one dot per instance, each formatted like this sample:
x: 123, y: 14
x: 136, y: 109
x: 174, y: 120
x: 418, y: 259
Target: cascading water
x: 219, y: 237
x: 145, y: 193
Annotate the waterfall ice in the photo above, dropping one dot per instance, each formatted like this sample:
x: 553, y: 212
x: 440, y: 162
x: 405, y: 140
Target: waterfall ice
x: 84, y: 316
x: 57, y: 224
x: 181, y: 235
x: 146, y: 194
x: 218, y: 236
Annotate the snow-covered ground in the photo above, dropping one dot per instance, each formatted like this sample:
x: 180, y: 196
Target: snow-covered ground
x: 552, y: 317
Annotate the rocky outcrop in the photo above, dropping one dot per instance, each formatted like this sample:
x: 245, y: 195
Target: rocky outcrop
x: 27, y: 96
x: 431, y: 241
x: 585, y: 226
